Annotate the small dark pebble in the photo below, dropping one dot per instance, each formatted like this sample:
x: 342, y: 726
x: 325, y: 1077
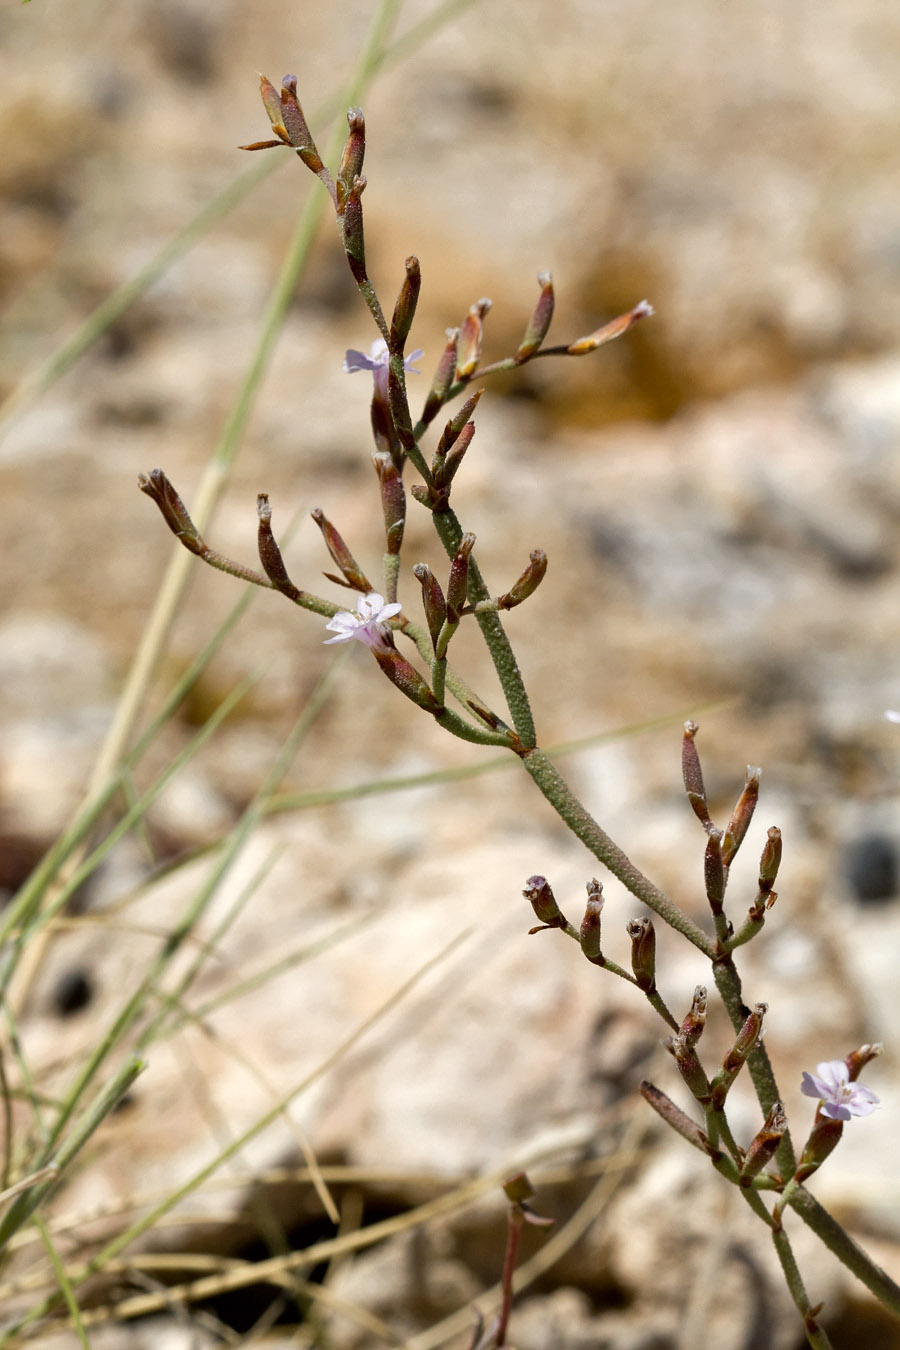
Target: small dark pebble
x: 871, y: 868
x: 73, y: 992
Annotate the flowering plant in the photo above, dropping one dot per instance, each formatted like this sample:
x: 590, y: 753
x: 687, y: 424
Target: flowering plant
x: 765, y: 1167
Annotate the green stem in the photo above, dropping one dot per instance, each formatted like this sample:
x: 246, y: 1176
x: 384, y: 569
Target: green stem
x: 654, y: 998
x: 839, y: 1241
x: 583, y: 825
x: 728, y: 983
x: 391, y: 570
x: 25, y: 1204
x: 450, y: 533
x: 814, y: 1333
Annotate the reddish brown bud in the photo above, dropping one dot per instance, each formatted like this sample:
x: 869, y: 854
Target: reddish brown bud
x: 433, y: 601
x: 354, y: 149
x: 695, y: 1021
x: 770, y: 860
x: 527, y: 583
x: 352, y: 228
x: 741, y: 816
x: 539, y: 323
x: 351, y: 572
x: 272, y: 104
x: 714, y: 871
x: 823, y: 1138
x: 674, y: 1116
x: 857, y: 1060
x: 457, y: 422
x: 405, y: 308
x: 539, y: 895
x: 747, y: 1040
x: 270, y: 553
x: 393, y: 501
x: 590, y: 924
x: 172, y: 508
x: 765, y: 1145
x: 445, y: 463
x: 443, y: 377
x: 643, y: 953
x: 470, y: 338
x: 693, y: 775
x: 458, y: 583
x: 407, y: 679
x: 615, y: 328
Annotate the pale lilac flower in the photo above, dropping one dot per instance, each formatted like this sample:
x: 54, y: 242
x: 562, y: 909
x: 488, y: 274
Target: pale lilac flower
x: 892, y: 715
x: 377, y: 362
x: 369, y: 623
x: 840, y: 1098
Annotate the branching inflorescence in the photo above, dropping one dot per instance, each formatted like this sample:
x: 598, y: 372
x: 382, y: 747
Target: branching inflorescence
x: 767, y: 1166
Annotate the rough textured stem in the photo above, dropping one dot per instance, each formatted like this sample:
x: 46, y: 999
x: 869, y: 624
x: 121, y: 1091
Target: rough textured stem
x: 839, y: 1241
x: 728, y: 983
x: 582, y: 824
x: 450, y: 532
x: 814, y: 1333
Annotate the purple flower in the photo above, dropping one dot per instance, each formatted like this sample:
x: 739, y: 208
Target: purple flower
x: 377, y: 362
x: 840, y: 1098
x: 369, y: 623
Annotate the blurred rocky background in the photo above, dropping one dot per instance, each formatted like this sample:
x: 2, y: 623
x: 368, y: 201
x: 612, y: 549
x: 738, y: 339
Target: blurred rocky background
x: 718, y: 494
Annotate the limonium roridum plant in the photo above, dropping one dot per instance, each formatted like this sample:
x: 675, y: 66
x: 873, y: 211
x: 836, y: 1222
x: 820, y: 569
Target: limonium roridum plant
x: 411, y: 640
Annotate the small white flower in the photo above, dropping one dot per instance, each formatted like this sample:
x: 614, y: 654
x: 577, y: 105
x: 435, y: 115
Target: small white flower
x: 892, y: 715
x: 368, y: 624
x: 377, y: 361
x: 841, y: 1099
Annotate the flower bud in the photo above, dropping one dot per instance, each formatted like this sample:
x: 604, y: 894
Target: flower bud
x: 539, y: 895
x: 643, y: 953
x: 270, y: 553
x: 764, y: 1147
x: 288, y: 122
x: 693, y: 1024
x: 615, y: 328
x: 693, y: 775
x: 458, y: 583
x: 824, y: 1137
x: 174, y: 512
x: 470, y: 338
x: 770, y: 860
x: 354, y: 149
x: 445, y: 463
x: 352, y: 229
x: 455, y: 426
x: 714, y: 871
x: 539, y: 323
x: 432, y: 599
x: 674, y: 1116
x: 352, y: 573
x: 527, y: 583
x: 747, y: 1040
x: 443, y: 377
x: 405, y: 308
x: 857, y: 1060
x: 407, y: 679
x: 689, y: 1066
x: 590, y: 924
x: 741, y: 816
x: 393, y: 501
